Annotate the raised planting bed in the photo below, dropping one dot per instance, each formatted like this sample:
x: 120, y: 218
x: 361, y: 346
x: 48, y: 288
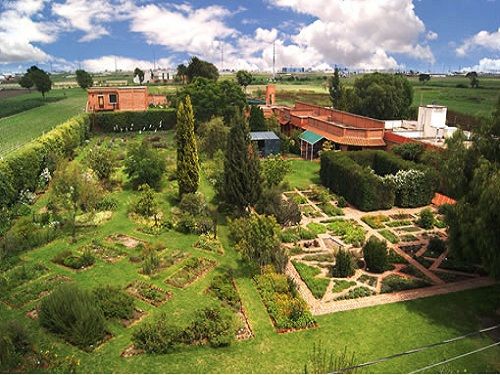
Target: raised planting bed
x: 136, y: 317
x: 316, y: 228
x: 401, y: 216
x: 411, y: 249
x: 309, y: 211
x: 286, y: 308
x: 450, y: 277
x: 358, y: 292
x: 126, y: 241
x: 395, y: 283
x: 208, y: 243
x: 320, y: 257
x: 408, y: 238
x: 148, y: 293
x: 368, y: 280
x: 317, y: 285
x: 194, y: 268
x: 75, y: 261
x: 375, y: 221
x: 292, y: 235
x: 425, y: 261
x: 330, y: 209
x: 296, y: 197
x: 154, y: 263
x: 399, y: 223
x: 341, y: 285
x: 395, y: 258
x: 21, y: 274
x: 104, y: 251
x: 348, y: 230
x: 460, y: 266
x: 410, y: 269
x: 411, y: 229
x: 34, y: 290
x: 389, y: 235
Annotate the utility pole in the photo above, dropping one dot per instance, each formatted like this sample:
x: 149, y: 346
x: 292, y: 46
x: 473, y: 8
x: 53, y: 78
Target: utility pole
x: 274, y: 60
x: 116, y: 68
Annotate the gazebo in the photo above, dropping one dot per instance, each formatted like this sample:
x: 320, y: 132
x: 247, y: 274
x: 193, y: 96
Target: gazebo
x: 308, y: 141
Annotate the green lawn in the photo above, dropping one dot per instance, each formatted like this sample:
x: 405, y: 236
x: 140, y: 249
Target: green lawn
x: 22, y: 127
x: 371, y: 332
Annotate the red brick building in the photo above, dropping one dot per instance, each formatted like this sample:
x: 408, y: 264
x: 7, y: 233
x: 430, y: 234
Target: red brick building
x: 344, y: 130
x: 134, y: 98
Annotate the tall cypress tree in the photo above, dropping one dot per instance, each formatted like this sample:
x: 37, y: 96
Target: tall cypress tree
x: 257, y: 120
x: 188, y: 168
x: 242, y: 185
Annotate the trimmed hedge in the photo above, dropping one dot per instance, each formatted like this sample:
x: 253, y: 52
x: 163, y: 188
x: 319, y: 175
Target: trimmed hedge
x: 370, y: 181
x: 21, y: 169
x: 155, y: 119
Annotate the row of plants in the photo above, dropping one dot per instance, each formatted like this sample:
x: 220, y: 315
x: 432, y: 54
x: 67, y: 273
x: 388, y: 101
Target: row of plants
x: 280, y: 296
x: 317, y: 285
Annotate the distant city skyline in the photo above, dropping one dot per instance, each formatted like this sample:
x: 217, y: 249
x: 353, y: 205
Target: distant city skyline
x: 97, y: 35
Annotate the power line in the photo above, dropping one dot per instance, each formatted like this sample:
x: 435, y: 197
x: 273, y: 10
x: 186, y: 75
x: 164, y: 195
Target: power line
x: 417, y: 350
x: 456, y: 357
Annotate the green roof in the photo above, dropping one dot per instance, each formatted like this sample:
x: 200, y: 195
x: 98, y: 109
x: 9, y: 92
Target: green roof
x: 311, y: 137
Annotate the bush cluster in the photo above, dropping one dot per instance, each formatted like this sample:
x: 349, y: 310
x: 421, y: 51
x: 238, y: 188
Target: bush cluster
x: 15, y: 342
x: 21, y: 169
x: 223, y: 288
x: 114, y: 302
x: 344, y: 264
x: 157, y: 119
x: 212, y: 325
x: 372, y: 180
x: 375, y: 254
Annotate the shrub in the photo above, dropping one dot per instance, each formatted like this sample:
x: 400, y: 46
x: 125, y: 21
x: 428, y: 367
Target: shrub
x: 344, y: 264
x: 157, y: 337
x: 222, y: 286
x: 114, y: 302
x: 213, y: 324
x: 193, y: 203
x: 436, y: 246
x: 409, y: 151
x: 102, y: 161
x: 426, y: 219
x: 144, y: 165
x: 286, y: 212
x: 151, y: 263
x: 75, y: 315
x: 15, y: 342
x: 375, y: 254
x: 151, y: 120
x: 146, y: 204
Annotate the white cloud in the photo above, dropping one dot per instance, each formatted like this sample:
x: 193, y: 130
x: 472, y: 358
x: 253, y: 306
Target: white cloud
x: 182, y: 28
x: 482, y: 39
x: 18, y: 32
x: 431, y: 35
x: 361, y: 33
x: 107, y: 63
x: 485, y: 65
x: 90, y: 16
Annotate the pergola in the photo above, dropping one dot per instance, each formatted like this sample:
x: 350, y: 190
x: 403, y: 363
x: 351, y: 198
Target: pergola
x: 309, y: 138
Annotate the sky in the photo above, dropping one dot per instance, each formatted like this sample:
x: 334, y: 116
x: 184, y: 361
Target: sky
x: 423, y: 35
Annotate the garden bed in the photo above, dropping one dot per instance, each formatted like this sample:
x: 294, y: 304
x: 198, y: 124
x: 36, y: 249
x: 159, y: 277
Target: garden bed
x: 358, y: 292
x: 74, y: 260
x: 341, y: 285
x: 395, y: 283
x: 127, y: 241
x: 348, y: 230
x: 194, y: 269
x: 21, y: 274
x: 317, y: 285
x: 148, y: 293
x: 375, y: 221
x: 208, y: 243
x: 137, y: 316
x: 368, y: 280
x: 389, y: 236
x: 34, y: 290
x: 104, y: 251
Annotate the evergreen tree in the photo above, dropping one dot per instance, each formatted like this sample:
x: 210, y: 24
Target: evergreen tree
x: 335, y: 88
x: 257, y: 120
x: 241, y: 184
x: 188, y: 168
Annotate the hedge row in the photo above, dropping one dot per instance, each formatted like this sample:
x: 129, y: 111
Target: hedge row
x: 21, y: 169
x: 358, y: 176
x: 154, y: 119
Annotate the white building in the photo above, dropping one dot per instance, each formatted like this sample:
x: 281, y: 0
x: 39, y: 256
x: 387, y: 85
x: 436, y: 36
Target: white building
x: 157, y: 75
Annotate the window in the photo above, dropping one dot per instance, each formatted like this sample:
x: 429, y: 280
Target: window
x: 113, y: 99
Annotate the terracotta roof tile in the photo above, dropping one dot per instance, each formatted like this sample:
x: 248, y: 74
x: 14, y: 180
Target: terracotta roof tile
x: 440, y: 199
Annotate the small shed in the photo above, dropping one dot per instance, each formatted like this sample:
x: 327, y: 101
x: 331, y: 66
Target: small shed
x: 268, y: 143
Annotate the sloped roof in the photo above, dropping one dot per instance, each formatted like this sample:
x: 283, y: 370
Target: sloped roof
x: 441, y: 199
x: 263, y: 136
x: 311, y: 137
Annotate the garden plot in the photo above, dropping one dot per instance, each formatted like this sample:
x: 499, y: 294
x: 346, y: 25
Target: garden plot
x: 20, y: 275
x: 154, y: 262
x: 193, y: 269
x: 107, y: 252
x: 126, y: 241
x: 148, y: 293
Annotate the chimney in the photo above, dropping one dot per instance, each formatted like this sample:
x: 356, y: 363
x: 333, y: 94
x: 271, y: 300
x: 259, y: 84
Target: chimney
x: 270, y: 95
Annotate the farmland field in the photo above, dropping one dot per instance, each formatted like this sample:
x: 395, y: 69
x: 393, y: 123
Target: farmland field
x: 19, y: 128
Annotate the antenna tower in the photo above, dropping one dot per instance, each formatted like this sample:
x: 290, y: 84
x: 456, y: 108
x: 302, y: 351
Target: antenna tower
x: 274, y: 60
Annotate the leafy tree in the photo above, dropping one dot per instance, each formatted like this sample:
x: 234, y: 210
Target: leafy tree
x: 200, y: 68
x: 257, y: 120
x: 244, y: 78
x: 188, y: 168
x: 409, y: 151
x: 375, y: 254
x: 344, y: 264
x: 382, y: 96
x: 274, y: 170
x: 213, y: 99
x: 271, y: 202
x: 139, y: 73
x: 26, y: 82
x: 257, y: 238
x: 40, y: 79
x: 147, y: 204
x: 144, y: 165
x: 84, y: 79
x: 241, y: 186
x: 102, y: 161
x: 474, y: 81
x: 424, y: 78
x: 182, y: 72
x: 213, y: 136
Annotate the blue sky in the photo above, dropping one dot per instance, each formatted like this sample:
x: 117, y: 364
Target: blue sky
x: 435, y: 35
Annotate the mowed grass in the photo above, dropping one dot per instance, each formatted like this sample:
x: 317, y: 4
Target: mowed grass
x: 22, y: 127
